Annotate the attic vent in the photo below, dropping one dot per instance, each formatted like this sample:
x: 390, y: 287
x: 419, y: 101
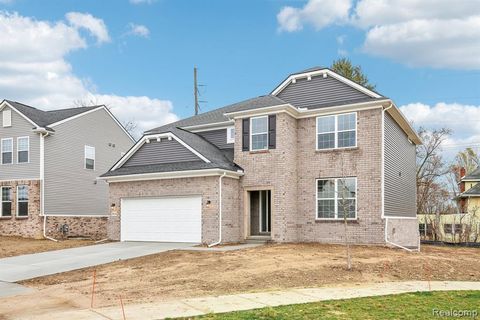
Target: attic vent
x: 294, y: 80
x: 7, y: 117
x: 309, y: 78
x: 325, y: 75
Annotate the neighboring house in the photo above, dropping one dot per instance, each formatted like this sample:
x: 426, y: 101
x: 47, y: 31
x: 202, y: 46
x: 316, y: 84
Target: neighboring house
x: 49, y: 164
x: 284, y: 167
x: 463, y: 226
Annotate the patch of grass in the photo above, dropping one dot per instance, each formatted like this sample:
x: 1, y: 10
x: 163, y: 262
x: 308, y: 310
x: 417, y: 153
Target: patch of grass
x: 417, y: 305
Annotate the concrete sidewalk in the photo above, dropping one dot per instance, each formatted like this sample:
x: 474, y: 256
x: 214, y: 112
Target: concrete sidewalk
x: 247, y: 301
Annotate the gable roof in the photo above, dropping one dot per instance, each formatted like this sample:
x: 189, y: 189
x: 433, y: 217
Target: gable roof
x: 44, y: 118
x: 216, y: 158
x: 474, y: 175
x: 218, y: 115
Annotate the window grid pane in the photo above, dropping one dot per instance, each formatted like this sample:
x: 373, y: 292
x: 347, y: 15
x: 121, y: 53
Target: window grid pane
x: 22, y: 193
x: 6, y: 194
x: 326, y: 141
x: 326, y: 124
x: 259, y: 125
x: 7, y: 145
x: 22, y: 144
x: 346, y: 122
x: 259, y: 141
x: 346, y: 139
x: 326, y: 209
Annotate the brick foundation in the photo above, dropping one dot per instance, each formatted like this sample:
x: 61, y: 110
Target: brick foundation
x: 32, y: 226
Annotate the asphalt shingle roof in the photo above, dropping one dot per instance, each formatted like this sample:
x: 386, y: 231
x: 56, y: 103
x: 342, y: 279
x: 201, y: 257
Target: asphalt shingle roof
x: 475, y: 190
x: 45, y: 118
x: 217, y: 115
x: 475, y: 174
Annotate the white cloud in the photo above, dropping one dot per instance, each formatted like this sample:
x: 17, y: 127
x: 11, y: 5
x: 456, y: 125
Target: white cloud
x: 319, y: 13
x: 462, y: 119
x: 138, y: 30
x: 34, y: 70
x: 432, y: 33
x: 435, y: 43
x: 95, y: 26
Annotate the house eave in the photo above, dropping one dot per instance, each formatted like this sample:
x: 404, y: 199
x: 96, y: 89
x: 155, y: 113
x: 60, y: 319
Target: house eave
x: 173, y: 175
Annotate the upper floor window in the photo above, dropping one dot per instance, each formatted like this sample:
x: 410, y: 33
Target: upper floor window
x: 22, y: 201
x: 337, y: 131
x: 23, y: 147
x: 7, y: 117
x: 259, y: 133
x: 89, y: 157
x: 6, y: 201
x: 231, y: 135
x: 337, y: 198
x: 7, y: 151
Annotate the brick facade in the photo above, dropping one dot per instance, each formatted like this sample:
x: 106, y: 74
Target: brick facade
x: 206, y: 186
x: 32, y: 226
x: 363, y: 162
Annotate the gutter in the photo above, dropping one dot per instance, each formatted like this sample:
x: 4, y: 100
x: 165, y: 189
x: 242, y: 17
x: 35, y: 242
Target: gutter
x: 43, y: 133
x: 219, y: 211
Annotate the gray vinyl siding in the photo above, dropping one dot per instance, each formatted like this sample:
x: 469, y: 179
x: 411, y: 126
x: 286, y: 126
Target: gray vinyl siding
x: 70, y: 189
x: 400, y: 170
x: 217, y: 137
x: 20, y: 128
x: 319, y: 90
x: 164, y: 151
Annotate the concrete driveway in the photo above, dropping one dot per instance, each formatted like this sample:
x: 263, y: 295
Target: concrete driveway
x: 30, y: 266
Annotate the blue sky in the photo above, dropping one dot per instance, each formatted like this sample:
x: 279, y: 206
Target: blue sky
x: 244, y: 49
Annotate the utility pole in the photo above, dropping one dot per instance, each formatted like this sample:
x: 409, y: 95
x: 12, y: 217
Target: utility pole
x: 195, y: 90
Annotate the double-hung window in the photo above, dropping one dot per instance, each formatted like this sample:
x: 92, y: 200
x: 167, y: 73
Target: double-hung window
x: 89, y: 157
x: 7, y: 151
x: 336, y: 198
x: 23, y: 147
x: 6, y: 201
x: 259, y: 133
x: 22, y: 201
x: 337, y: 131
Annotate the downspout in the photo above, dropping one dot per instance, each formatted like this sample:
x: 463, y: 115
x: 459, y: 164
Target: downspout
x: 383, y: 186
x: 42, y: 185
x: 219, y: 211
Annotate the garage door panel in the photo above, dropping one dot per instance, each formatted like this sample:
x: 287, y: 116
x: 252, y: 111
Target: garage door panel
x: 172, y: 219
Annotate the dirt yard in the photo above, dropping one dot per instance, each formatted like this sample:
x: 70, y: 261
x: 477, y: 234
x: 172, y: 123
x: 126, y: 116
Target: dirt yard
x: 15, y: 246
x: 198, y: 273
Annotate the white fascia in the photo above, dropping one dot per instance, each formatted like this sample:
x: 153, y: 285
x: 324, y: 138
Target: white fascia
x: 173, y: 175
x: 327, y: 72
x: 144, y: 139
x: 5, y: 103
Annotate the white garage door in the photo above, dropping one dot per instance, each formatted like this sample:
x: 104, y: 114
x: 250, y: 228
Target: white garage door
x: 169, y: 219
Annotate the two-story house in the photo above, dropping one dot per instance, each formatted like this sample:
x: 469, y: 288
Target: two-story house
x: 49, y: 164
x: 287, y: 167
x: 463, y: 225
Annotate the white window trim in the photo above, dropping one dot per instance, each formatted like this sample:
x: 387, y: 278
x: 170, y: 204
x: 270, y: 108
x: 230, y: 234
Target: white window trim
x: 18, y: 201
x: 335, y: 116
x: 1, y: 151
x: 336, y: 218
x: 3, y: 118
x: 1, y: 201
x: 85, y: 157
x: 252, y: 134
x: 230, y: 138
x: 28, y: 149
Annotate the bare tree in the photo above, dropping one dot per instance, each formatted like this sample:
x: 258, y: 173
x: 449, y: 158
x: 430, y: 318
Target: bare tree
x: 345, y: 207
x: 432, y: 193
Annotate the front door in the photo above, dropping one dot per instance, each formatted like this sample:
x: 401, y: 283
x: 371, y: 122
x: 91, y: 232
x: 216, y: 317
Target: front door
x: 260, y: 213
